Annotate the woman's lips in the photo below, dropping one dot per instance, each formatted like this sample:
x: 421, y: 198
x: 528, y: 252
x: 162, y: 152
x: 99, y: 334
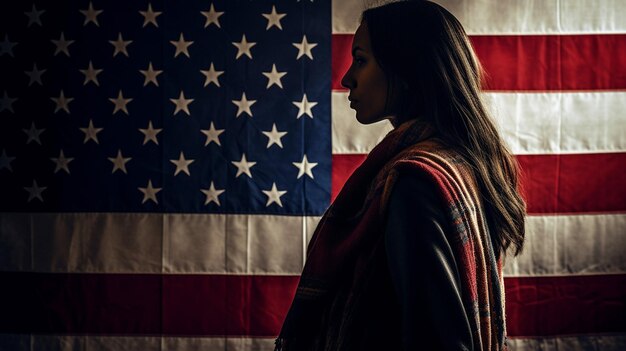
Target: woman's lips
x: 352, y: 101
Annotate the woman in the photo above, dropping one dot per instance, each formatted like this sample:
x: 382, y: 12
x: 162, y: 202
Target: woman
x: 409, y: 256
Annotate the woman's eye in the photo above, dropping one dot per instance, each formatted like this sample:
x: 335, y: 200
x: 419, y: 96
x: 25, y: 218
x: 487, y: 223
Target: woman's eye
x: 359, y: 61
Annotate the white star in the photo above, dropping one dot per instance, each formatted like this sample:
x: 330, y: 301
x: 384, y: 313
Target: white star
x: 243, y: 166
x: 62, y: 45
x: 212, y: 76
x: 120, y: 45
x: 151, y: 75
x: 181, y: 46
x: 212, y: 194
x: 120, y: 103
x: 273, y: 18
x: 35, y: 191
x: 273, y: 195
x: 149, y: 193
x: 35, y: 75
x: 182, y: 164
x: 33, y: 133
x: 91, y: 133
x: 244, y: 105
x: 62, y: 103
x: 119, y: 162
x: 243, y: 47
x: 305, y: 167
x: 304, y: 107
x: 91, y: 15
x: 6, y: 103
x: 274, y: 77
x: 182, y: 104
x: 6, y: 46
x: 150, y: 134
x: 91, y: 74
x: 212, y: 135
x: 150, y: 16
x: 33, y: 16
x: 5, y: 161
x: 62, y: 162
x: 304, y: 48
x: 212, y: 17
x: 274, y: 137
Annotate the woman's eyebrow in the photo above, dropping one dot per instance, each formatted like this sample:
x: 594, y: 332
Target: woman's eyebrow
x: 354, y: 49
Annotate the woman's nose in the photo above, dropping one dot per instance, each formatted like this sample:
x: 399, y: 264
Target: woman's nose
x: 346, y: 80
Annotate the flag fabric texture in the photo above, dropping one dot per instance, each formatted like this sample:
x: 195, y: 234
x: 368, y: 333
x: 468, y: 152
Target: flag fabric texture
x: 164, y: 164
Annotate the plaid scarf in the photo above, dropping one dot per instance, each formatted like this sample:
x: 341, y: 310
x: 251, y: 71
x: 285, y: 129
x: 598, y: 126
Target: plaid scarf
x: 351, y: 229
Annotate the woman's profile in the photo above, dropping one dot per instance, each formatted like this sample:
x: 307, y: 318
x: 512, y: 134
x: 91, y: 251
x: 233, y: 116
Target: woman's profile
x: 409, y: 255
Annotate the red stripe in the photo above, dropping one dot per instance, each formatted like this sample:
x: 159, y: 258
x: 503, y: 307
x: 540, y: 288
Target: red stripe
x: 194, y: 305
x: 145, y: 304
x: 581, y: 183
x: 566, y: 305
x: 532, y: 62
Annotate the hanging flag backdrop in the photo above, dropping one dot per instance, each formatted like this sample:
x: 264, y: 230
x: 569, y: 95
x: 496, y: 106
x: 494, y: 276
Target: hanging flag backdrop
x: 164, y: 164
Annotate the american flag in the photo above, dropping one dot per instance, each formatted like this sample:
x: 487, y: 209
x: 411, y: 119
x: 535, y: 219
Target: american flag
x: 163, y: 165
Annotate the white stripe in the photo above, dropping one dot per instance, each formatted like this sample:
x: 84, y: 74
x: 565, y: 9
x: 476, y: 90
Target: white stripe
x: 153, y: 243
x: 615, y: 342
x: 200, y: 243
x: 509, y: 17
x: 143, y: 343
x: 571, y: 245
x: 530, y: 123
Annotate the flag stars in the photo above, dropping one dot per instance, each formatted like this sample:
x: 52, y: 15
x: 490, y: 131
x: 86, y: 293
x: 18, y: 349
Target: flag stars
x: 91, y: 133
x: 182, y: 104
x: 5, y: 161
x: 274, y: 77
x: 150, y: 16
x: 273, y: 18
x: 149, y: 193
x: 62, y: 103
x: 6, y: 46
x: 243, y: 47
x: 150, y: 134
x: 212, y: 194
x: 274, y: 137
x: 62, y: 162
x: 120, y: 103
x: 212, y: 76
x: 34, y: 191
x: 6, y: 103
x: 305, y: 167
x: 212, y: 135
x: 119, y: 162
x: 182, y: 164
x: 91, y: 15
x: 243, y: 105
x: 212, y: 17
x: 243, y: 166
x: 304, y: 48
x: 150, y: 75
x: 33, y: 134
x: 91, y: 74
x: 33, y: 16
x: 120, y: 45
x: 182, y: 46
x: 304, y: 107
x: 35, y: 75
x: 62, y: 45
x: 273, y: 196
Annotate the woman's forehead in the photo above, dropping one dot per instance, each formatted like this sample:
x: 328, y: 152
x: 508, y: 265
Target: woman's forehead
x: 361, y: 38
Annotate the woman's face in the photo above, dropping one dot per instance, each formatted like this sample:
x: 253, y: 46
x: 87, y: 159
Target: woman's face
x: 366, y: 80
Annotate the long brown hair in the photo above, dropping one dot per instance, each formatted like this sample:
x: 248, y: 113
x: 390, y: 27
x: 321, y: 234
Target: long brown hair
x: 434, y: 74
